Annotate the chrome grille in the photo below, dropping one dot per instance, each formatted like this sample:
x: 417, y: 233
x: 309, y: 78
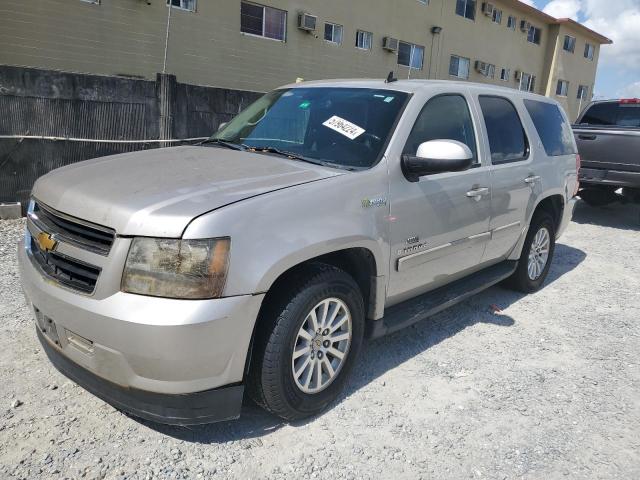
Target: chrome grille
x: 65, y: 270
x: 86, y: 235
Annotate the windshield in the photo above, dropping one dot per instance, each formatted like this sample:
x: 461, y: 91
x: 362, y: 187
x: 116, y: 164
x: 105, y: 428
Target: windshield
x: 346, y: 127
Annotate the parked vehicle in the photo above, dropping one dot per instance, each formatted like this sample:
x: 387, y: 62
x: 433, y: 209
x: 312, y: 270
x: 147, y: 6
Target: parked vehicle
x: 608, y: 138
x: 168, y: 281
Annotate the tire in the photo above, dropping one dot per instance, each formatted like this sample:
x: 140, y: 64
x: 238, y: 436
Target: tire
x: 271, y: 382
x: 631, y: 194
x: 522, y: 280
x: 598, y: 196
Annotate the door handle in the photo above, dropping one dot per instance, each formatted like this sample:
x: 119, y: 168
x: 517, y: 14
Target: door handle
x: 587, y: 137
x: 532, y: 179
x: 478, y: 193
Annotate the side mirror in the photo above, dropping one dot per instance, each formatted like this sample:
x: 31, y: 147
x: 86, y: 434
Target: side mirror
x: 222, y: 125
x: 437, y: 156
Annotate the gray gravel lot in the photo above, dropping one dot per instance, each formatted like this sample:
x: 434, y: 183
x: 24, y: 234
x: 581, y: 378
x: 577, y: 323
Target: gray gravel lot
x: 546, y: 387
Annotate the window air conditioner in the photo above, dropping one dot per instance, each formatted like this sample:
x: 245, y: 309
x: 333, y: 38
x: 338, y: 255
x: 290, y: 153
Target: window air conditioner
x: 307, y: 22
x: 390, y: 43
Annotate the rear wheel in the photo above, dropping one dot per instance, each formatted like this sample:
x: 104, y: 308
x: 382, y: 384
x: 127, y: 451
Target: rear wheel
x: 537, y: 254
x: 307, y: 344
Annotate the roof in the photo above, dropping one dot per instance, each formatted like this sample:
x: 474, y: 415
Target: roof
x: 409, y: 86
x: 558, y: 21
x: 585, y: 30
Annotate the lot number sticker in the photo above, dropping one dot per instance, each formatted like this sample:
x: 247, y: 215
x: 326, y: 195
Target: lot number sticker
x: 345, y: 127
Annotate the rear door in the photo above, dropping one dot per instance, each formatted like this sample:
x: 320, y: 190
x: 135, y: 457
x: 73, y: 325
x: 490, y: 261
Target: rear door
x: 514, y: 171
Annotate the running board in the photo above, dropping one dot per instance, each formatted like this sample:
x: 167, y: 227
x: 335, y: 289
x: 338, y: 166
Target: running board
x: 416, y: 309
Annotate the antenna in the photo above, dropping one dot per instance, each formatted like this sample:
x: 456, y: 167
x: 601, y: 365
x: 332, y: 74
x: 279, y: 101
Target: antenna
x: 390, y: 78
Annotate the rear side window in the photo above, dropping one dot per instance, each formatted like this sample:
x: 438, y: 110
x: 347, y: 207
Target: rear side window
x: 507, y: 140
x: 612, y: 114
x: 445, y: 117
x: 555, y: 132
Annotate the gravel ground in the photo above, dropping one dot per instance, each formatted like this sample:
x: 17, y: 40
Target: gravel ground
x: 503, y: 386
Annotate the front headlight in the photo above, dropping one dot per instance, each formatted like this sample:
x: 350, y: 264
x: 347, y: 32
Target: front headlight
x: 194, y: 269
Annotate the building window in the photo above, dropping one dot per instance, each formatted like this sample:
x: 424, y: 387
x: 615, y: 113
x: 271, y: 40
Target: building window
x: 505, y: 74
x: 512, y: 22
x: 569, y: 43
x: 496, y: 17
x: 459, y: 67
x: 333, y: 33
x: 97, y: 2
x: 583, y: 92
x: 410, y: 55
x: 589, y: 51
x: 562, y: 89
x: 466, y: 8
x: 534, y: 35
x: 486, y: 69
x: 527, y: 82
x: 424, y: 2
x: 183, y: 4
x: 364, y: 40
x: 262, y: 21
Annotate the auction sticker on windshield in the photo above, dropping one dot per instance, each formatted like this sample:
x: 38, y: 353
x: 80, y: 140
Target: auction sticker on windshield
x: 345, y: 127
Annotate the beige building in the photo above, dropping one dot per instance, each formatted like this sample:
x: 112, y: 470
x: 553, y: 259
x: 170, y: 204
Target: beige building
x: 259, y: 45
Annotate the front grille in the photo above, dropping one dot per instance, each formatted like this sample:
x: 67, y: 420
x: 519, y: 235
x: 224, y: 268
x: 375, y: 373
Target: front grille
x: 65, y: 270
x: 86, y: 235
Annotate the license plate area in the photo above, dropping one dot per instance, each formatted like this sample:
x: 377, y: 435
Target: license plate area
x: 47, y: 326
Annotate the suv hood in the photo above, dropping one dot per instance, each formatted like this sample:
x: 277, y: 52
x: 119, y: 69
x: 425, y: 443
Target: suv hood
x: 158, y: 192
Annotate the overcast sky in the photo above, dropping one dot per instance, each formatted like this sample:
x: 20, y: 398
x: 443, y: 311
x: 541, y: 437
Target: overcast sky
x: 619, y: 66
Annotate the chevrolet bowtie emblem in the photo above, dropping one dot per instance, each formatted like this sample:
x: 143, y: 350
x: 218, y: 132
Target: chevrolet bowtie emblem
x: 46, y: 242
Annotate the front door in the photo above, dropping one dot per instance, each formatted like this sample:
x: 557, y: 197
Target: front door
x: 439, y: 224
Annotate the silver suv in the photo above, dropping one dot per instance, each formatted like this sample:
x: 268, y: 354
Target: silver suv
x: 168, y: 281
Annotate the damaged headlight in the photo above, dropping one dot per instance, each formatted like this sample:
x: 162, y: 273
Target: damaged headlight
x: 193, y: 269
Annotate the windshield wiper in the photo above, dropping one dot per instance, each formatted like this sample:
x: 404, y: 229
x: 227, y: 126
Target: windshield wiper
x: 297, y: 156
x: 224, y: 143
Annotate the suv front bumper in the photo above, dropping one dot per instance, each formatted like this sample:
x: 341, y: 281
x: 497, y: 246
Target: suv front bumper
x: 166, y: 360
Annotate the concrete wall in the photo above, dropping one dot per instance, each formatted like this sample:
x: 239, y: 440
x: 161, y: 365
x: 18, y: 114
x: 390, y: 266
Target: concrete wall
x: 48, y: 103
x: 206, y: 47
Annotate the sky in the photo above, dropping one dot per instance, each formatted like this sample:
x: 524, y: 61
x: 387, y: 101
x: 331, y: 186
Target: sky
x: 619, y: 65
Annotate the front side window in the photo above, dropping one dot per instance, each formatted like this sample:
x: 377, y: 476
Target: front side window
x: 466, y: 8
x: 263, y: 21
x: 459, y: 67
x: 534, y: 34
x: 589, y: 51
x: 562, y: 89
x: 445, y: 117
x: 346, y: 127
x: 333, y: 33
x: 511, y: 22
x: 569, y: 43
x: 184, y: 4
x: 364, y: 40
x: 552, y: 127
x: 410, y: 55
x: 507, y: 140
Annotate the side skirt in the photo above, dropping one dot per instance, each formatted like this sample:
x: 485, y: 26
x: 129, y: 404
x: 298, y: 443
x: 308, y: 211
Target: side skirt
x: 416, y: 309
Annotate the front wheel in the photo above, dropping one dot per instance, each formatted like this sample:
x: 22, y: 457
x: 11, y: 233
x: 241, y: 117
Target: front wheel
x: 306, y: 344
x: 537, y: 254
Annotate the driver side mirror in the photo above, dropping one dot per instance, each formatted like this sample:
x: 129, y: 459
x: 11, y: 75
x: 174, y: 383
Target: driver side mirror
x: 437, y: 156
